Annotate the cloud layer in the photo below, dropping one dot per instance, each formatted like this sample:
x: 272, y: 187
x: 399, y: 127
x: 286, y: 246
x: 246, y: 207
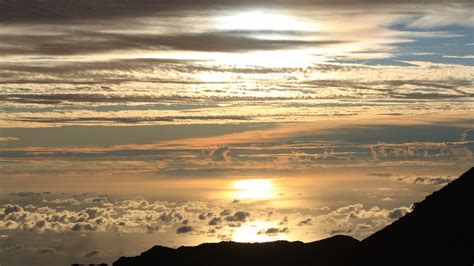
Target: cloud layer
x: 141, y: 216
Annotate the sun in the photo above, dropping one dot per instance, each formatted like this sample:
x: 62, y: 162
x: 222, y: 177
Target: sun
x: 254, y: 189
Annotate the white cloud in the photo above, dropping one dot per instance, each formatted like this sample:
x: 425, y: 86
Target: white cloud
x: 423, y: 179
x: 66, y: 201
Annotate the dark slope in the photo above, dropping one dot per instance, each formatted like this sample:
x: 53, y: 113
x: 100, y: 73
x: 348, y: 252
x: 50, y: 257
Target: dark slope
x: 438, y: 232
x: 324, y: 252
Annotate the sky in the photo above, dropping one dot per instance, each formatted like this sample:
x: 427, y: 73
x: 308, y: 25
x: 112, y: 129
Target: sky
x: 127, y: 124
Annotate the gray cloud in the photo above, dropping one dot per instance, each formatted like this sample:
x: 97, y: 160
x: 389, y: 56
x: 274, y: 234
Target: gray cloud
x: 340, y: 231
x: 205, y: 215
x: 284, y: 221
x: 425, y: 180
x: 84, y: 227
x: 171, y: 216
x: 240, y: 216
x: 152, y: 228
x: 215, y: 221
x: 117, y: 218
x: 96, y: 97
x: 274, y: 231
x: 33, y: 250
x: 468, y: 135
x: 92, y: 253
x: 364, y: 227
x: 225, y: 212
x: 306, y: 221
x: 422, y: 150
x: 96, y: 200
x: 131, y: 120
x: 45, y: 251
x: 358, y: 221
x: 81, y: 11
x: 83, y: 42
x: 221, y: 153
x: 141, y: 216
x: 28, y: 194
x: 397, y: 213
x: 96, y: 212
x: 12, y: 208
x: 184, y: 229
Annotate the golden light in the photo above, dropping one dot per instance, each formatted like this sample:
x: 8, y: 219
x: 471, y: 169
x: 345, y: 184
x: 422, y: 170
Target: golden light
x: 281, y: 58
x: 270, y: 20
x: 254, y: 189
x: 253, y: 232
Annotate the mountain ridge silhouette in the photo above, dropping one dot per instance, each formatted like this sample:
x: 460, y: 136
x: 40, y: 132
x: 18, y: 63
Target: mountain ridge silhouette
x: 439, y: 231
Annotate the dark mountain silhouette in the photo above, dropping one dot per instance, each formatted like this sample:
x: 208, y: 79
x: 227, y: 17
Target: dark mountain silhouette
x: 439, y: 231
x: 239, y: 254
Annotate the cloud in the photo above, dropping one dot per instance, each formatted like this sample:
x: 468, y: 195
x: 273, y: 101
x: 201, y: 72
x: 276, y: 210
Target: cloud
x: 299, y: 147
x: 122, y: 94
x: 96, y: 200
x: 363, y: 227
x: 221, y: 153
x: 357, y: 220
x: 239, y: 216
x: 45, y: 251
x: 205, y: 215
x: 398, y: 213
x: 284, y: 221
x: 152, y: 228
x: 424, y: 180
x: 421, y: 150
x: 33, y: 250
x: 7, y: 139
x: 225, y: 212
x: 180, y: 218
x: 92, y: 253
x: 113, y: 219
x: 134, y: 204
x: 215, y: 221
x: 66, y: 201
x: 460, y: 56
x: 387, y: 199
x: 129, y: 120
x: 306, y: 221
x: 467, y: 135
x: 86, y: 42
x: 27, y: 194
x: 274, y: 231
x: 448, y: 16
x: 171, y: 216
x: 340, y: 232
x: 96, y: 212
x: 84, y: 227
x: 64, y: 11
x: 12, y: 208
x: 184, y: 229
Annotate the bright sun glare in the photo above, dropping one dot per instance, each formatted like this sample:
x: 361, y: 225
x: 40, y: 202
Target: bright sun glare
x: 254, y: 189
x: 258, y: 24
x: 259, y: 20
x: 252, y: 232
